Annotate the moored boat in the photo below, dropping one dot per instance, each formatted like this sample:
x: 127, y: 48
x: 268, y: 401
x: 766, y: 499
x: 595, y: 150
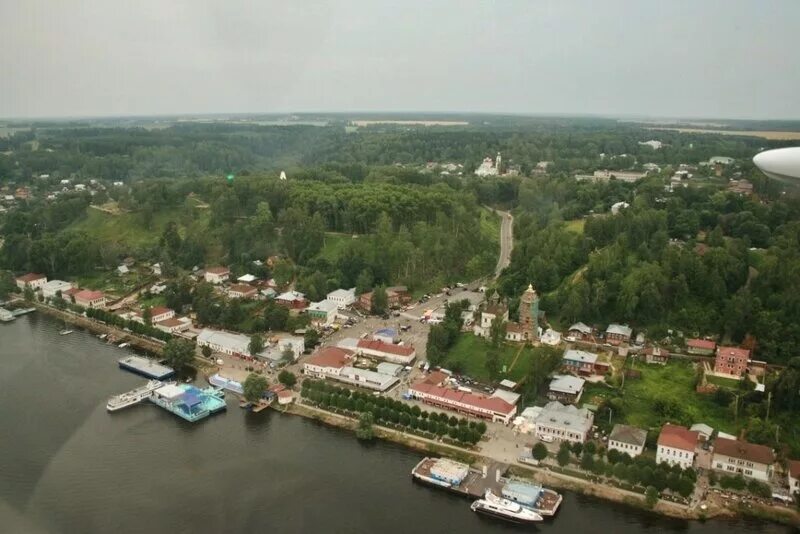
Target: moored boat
x: 541, y: 500
x: 118, y: 402
x: 495, y: 506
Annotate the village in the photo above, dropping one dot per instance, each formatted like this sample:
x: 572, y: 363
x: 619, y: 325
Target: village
x: 694, y: 465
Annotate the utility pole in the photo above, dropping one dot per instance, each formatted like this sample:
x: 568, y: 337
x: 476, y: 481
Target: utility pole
x: 769, y: 403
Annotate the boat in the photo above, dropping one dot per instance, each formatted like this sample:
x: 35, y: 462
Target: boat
x: 65, y: 331
x: 441, y: 472
x: 146, y: 367
x: 6, y: 316
x: 226, y: 383
x: 495, y: 506
x: 123, y: 345
x: 102, y: 336
x: 118, y: 402
x: 541, y: 500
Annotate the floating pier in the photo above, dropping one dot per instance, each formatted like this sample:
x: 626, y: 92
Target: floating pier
x: 189, y: 402
x: 146, y: 367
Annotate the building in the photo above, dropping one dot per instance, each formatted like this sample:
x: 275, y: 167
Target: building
x: 173, y: 325
x: 701, y: 347
x: 740, y: 457
x: 618, y: 333
x: 656, y: 355
x: 247, y: 279
x: 387, y: 368
x: 627, y: 439
x: 90, y: 299
x: 31, y: 280
x: 323, y: 312
x: 342, y: 297
x: 161, y: 313
x: 703, y: 430
x: 579, y: 361
x: 655, y: 145
x: 52, y: 288
x: 676, y: 445
x: 566, y: 389
x: 333, y: 363
x: 731, y: 361
x: 224, y: 342
x: 551, y: 337
x: 563, y: 423
x: 579, y: 332
x: 514, y: 332
x: 400, y: 354
x: 242, y: 291
x: 619, y: 206
x: 606, y: 175
x: 529, y: 314
x: 327, y: 362
x: 396, y: 296
x: 430, y: 391
x: 294, y: 300
x: 287, y: 347
x: 741, y: 187
x: 489, y: 167
x: 793, y: 469
x: 217, y: 275
x: 488, y: 316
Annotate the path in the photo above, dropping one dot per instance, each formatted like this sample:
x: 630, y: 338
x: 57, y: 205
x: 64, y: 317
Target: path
x: 506, y: 241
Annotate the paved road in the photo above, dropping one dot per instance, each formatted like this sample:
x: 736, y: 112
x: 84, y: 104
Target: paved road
x: 506, y: 241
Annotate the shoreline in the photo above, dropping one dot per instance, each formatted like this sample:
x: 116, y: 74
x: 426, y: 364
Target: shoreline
x: 544, y: 476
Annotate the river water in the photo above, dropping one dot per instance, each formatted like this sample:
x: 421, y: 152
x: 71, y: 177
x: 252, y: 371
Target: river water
x: 66, y: 465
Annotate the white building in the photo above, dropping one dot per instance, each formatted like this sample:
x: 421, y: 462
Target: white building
x: 31, y: 280
x: 342, y: 297
x: 484, y: 327
x: 676, y: 445
x: 655, y: 145
x: 627, y: 439
x: 51, y: 288
x: 327, y: 362
x: 217, y: 275
x: 276, y: 352
x: 563, y: 423
x: 743, y: 458
x: 247, y: 279
x: 224, y: 342
x: 489, y: 167
x: 174, y: 325
x: 323, y: 312
x: 551, y: 337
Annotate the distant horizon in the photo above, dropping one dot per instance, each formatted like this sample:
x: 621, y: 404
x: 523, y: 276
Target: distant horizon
x: 410, y: 114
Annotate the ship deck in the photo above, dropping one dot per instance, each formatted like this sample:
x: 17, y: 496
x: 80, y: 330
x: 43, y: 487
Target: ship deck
x: 475, y: 483
x: 146, y: 367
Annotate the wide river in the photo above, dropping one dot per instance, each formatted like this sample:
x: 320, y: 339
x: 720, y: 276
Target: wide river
x: 66, y: 465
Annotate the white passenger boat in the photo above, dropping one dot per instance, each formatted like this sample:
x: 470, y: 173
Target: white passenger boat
x: 495, y: 506
x: 118, y: 402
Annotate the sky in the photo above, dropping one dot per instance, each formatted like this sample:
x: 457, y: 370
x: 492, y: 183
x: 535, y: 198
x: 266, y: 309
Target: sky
x: 676, y: 58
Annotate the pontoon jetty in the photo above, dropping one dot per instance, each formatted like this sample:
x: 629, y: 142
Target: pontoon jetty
x: 189, y: 402
x: 226, y: 383
x: 459, y: 478
x: 146, y: 367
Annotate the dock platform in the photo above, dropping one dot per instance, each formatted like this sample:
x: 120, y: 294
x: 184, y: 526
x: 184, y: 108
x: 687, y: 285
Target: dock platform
x: 473, y: 485
x: 146, y: 367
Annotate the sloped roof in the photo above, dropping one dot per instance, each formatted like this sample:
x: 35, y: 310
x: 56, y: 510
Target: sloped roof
x: 628, y: 434
x: 619, y: 329
x: 678, y: 437
x: 580, y: 327
x: 580, y: 356
x: 329, y: 357
x: 705, y: 344
x: 744, y: 450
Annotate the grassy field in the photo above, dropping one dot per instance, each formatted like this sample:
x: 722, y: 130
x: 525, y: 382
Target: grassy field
x: 468, y: 356
x: 673, y: 383
x: 576, y: 225
x: 721, y: 381
x: 125, y: 229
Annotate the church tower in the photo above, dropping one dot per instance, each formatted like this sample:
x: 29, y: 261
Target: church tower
x: 497, y: 162
x: 529, y: 313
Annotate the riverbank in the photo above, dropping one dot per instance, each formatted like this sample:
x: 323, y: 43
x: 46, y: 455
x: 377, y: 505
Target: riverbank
x: 544, y: 475
x: 96, y: 327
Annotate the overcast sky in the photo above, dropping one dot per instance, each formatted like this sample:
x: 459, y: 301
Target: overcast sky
x: 678, y: 58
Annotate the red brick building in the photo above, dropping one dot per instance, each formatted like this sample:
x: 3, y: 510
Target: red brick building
x: 731, y: 361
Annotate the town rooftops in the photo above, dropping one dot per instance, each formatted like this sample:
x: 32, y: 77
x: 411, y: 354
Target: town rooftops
x: 514, y: 328
x: 567, y: 384
x: 218, y: 270
x: 678, y: 437
x: 155, y: 311
x: 323, y: 306
x: 744, y: 451
x: 247, y: 278
x: 389, y: 348
x: 242, y: 288
x: 329, y: 357
x: 342, y: 293
x: 702, y: 344
x: 88, y: 295
x: 495, y: 309
x: 580, y: 356
x: 580, y: 327
x: 619, y: 329
x: 493, y: 404
x: 171, y: 323
x: 30, y: 277
x: 734, y: 352
x: 703, y: 429
x: 565, y: 416
x: 628, y: 434
x: 437, y: 378
x: 291, y: 296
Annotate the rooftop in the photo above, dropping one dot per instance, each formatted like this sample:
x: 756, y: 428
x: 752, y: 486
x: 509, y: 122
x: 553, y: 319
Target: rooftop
x: 323, y: 306
x: 580, y: 356
x: 619, y: 329
x: 291, y: 296
x: 701, y: 344
x: 744, y: 450
x: 88, y: 294
x: 494, y: 404
x: 30, y: 277
x: 794, y: 468
x: 580, y: 327
x: 628, y: 434
x: 389, y: 348
x: 734, y: 352
x: 567, y: 384
x: 329, y: 357
x: 218, y: 270
x: 678, y: 437
x: 555, y: 412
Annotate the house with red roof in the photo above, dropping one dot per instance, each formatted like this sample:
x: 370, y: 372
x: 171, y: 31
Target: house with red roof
x: 701, y: 347
x: 676, y: 445
x: 217, y: 275
x: 390, y: 352
x: 90, y: 299
x: 741, y: 457
x: 731, y: 361
x: 31, y: 280
x: 327, y: 362
x: 472, y: 404
x: 242, y: 291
